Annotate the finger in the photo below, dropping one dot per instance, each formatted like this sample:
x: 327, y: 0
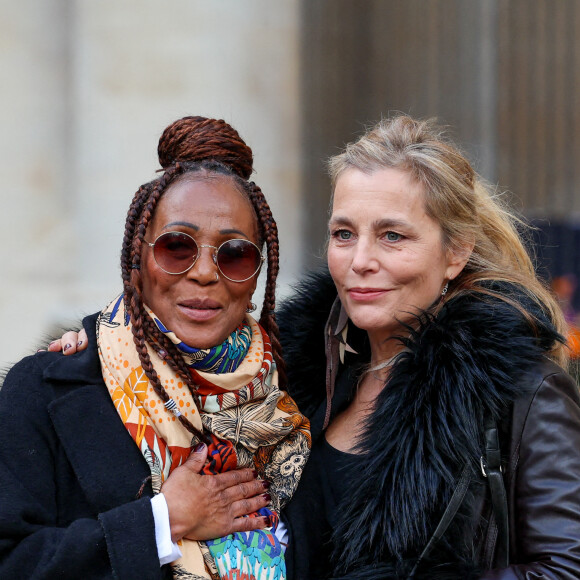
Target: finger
x: 197, y: 457
x: 69, y: 342
x: 249, y: 524
x: 246, y: 490
x: 229, y: 479
x: 250, y: 505
x: 55, y: 346
x: 82, y: 341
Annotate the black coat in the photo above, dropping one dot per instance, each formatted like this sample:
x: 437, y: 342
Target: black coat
x: 70, y: 479
x: 478, y: 357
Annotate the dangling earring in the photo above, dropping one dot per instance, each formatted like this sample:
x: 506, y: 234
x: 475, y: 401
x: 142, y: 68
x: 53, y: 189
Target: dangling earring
x: 445, y: 288
x: 251, y: 307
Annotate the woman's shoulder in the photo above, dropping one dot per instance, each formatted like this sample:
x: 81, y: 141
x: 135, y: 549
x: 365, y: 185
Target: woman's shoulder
x: 546, y: 388
x: 25, y: 395
x: 558, y: 378
x: 28, y: 371
x: 302, y: 318
x: 308, y: 304
x: 43, y: 372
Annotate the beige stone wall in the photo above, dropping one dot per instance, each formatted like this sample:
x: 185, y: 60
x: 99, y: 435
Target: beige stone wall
x: 87, y: 89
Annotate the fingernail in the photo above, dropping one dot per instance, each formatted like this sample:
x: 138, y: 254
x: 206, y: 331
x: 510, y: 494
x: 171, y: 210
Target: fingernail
x: 199, y: 448
x: 52, y: 343
x: 267, y: 497
x: 66, y: 347
x: 79, y: 343
x: 255, y: 473
x: 268, y: 521
x: 266, y: 484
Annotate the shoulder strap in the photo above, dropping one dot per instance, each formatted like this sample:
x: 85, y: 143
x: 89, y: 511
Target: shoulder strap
x: 447, y: 517
x: 491, y: 468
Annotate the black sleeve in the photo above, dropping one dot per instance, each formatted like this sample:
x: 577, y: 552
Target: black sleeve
x: 47, y: 529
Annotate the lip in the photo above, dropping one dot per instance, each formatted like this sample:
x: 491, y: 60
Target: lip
x: 199, y: 309
x: 366, y: 294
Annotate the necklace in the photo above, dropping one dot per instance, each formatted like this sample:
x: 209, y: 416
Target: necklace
x: 382, y: 365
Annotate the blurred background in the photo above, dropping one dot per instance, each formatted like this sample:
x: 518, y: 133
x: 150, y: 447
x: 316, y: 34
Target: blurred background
x: 88, y: 87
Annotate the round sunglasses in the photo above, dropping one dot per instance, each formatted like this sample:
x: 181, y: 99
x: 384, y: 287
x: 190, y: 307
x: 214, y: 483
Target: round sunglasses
x: 176, y: 253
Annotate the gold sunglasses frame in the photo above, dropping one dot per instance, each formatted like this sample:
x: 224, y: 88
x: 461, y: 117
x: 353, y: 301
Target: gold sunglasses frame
x: 214, y: 257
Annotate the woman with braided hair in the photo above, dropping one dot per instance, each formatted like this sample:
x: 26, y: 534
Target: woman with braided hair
x: 168, y: 447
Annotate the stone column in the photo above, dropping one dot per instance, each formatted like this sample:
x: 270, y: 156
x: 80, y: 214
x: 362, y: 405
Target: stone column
x: 89, y: 87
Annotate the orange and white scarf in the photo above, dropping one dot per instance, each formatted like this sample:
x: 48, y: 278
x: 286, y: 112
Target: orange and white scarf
x: 244, y: 410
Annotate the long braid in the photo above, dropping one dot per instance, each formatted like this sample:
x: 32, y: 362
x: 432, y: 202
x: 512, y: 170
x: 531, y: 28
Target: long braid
x: 140, y: 340
x: 168, y: 351
x: 133, y: 217
x: 143, y: 329
x: 269, y: 233
x: 193, y: 145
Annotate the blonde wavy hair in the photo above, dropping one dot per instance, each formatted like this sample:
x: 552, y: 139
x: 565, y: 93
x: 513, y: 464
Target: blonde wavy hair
x: 468, y: 210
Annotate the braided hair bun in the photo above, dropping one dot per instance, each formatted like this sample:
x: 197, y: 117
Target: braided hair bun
x: 197, y: 139
x: 190, y: 146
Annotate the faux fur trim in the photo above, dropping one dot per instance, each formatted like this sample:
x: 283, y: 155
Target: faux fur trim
x: 472, y: 359
x: 301, y: 319
x: 399, y: 570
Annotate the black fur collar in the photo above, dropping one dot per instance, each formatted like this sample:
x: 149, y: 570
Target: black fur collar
x: 470, y: 360
x: 302, y: 318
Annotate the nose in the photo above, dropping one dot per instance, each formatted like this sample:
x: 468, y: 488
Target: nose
x: 364, y: 258
x: 205, y: 270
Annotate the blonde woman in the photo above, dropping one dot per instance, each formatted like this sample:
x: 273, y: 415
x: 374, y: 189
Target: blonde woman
x: 443, y: 387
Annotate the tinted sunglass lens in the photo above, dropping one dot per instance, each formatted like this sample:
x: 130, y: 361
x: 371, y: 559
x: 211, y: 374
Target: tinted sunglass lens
x: 238, y: 260
x: 175, y: 252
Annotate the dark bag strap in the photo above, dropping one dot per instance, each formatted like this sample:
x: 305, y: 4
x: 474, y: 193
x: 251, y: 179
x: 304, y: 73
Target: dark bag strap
x: 491, y: 468
x: 447, y: 517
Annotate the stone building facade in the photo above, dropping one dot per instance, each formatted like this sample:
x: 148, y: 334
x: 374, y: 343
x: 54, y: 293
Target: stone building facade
x: 87, y: 88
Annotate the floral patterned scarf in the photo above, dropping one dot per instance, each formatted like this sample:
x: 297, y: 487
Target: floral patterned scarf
x: 223, y: 358
x: 251, y: 422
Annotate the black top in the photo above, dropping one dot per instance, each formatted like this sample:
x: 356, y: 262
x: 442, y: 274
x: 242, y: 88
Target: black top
x: 312, y: 513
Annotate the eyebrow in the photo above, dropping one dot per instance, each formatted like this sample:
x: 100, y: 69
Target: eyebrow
x: 232, y: 231
x: 184, y: 224
x: 378, y: 224
x: 196, y: 228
